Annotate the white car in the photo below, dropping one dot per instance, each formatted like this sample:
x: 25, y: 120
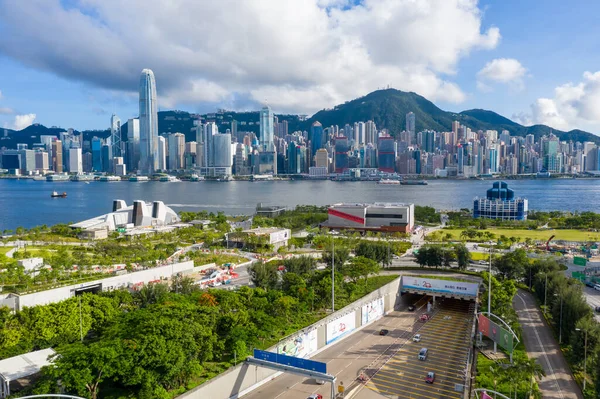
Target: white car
x: 417, y: 338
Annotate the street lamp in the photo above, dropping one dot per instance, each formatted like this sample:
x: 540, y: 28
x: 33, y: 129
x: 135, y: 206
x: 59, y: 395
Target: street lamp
x: 584, y: 358
x: 560, y: 322
x: 490, y: 282
x: 332, y: 274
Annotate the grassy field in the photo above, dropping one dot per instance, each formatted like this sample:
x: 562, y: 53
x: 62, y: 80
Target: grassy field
x: 538, y: 235
x: 220, y: 259
x: 4, y: 250
x: 477, y: 256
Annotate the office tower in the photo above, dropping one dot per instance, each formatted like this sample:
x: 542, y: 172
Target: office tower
x: 97, y: 154
x: 149, y: 161
x: 410, y: 127
x: 455, y: 127
x: 75, y: 160
x: 107, y: 165
x: 505, y: 136
x: 429, y: 140
x: 530, y: 140
x: 41, y: 161
x: 162, y: 153
x: 493, y: 161
x: 322, y: 158
x: 133, y: 144
x: 359, y: 134
x: 66, y: 139
x: 316, y: 137
x: 341, y: 154
x: 386, y: 154
x: 176, y: 151
x: 371, y: 133
x: 115, y: 136
x: 57, y: 158
x: 266, y: 129
x: 221, y: 152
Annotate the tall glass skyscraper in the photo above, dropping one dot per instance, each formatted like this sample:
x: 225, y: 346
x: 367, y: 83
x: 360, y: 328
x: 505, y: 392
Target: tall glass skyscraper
x: 148, y: 124
x: 266, y: 129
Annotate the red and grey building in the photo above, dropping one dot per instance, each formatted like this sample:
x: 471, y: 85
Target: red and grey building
x: 383, y: 217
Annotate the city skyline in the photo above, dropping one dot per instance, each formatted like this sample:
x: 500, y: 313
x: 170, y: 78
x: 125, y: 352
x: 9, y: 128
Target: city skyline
x: 470, y: 56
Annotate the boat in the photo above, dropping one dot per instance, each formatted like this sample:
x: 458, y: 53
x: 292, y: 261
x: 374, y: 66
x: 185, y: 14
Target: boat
x: 225, y: 179
x: 57, y: 177
x: 169, y: 179
x: 110, y: 178
x: 414, y: 183
x: 261, y: 177
x: 83, y: 177
x: 196, y: 178
x: 388, y: 181
x: 57, y: 195
x: 139, y: 178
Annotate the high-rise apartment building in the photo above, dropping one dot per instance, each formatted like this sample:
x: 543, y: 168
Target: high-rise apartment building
x: 410, y: 127
x: 149, y: 156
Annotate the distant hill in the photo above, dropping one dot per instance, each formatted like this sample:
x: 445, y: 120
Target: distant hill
x: 387, y: 108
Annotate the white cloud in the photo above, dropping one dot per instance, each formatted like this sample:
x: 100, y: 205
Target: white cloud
x: 6, y: 111
x: 302, y: 54
x: 501, y: 70
x: 574, y: 106
x: 0, y: 94
x: 22, y: 121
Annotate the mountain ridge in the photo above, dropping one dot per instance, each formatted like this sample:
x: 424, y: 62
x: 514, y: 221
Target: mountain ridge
x: 387, y: 108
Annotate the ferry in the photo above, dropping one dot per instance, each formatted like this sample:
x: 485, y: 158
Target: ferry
x: 261, y: 177
x: 83, y: 177
x: 110, y: 178
x: 139, y: 178
x: 169, y: 179
x: 414, y: 182
x: 57, y: 195
x: 196, y: 178
x: 57, y: 177
x: 388, y: 181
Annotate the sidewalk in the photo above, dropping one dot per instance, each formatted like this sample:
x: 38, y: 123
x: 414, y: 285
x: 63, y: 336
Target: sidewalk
x: 542, y: 346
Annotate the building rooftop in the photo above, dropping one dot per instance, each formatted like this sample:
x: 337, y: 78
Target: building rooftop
x: 25, y: 365
x: 377, y: 204
x: 264, y: 230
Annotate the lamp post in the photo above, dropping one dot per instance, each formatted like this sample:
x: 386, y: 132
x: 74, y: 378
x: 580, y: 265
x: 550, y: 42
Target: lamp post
x: 490, y: 282
x: 560, y: 322
x: 584, y: 358
x: 332, y: 275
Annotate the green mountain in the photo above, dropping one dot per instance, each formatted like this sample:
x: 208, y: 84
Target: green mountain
x: 387, y: 108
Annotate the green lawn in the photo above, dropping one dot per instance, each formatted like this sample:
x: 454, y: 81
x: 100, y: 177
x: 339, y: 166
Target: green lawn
x: 477, y: 256
x: 539, y: 235
x: 4, y: 250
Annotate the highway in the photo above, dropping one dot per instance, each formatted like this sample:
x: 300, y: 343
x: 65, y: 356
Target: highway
x: 541, y: 345
x: 347, y: 358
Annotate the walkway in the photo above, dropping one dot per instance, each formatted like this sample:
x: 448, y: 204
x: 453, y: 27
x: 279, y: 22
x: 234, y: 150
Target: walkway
x: 542, y: 346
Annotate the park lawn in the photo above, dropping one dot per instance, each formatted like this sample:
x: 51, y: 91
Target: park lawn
x: 477, y: 256
x: 4, y: 250
x: 220, y: 259
x: 537, y: 235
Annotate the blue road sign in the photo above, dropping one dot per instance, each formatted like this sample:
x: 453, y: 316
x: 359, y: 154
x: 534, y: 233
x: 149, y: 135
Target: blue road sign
x: 292, y: 361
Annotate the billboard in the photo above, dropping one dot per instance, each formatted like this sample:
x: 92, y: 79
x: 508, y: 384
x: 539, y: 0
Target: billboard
x: 446, y: 286
x: 372, y: 311
x: 292, y: 361
x: 279, y: 236
x: 338, y: 328
x: 300, y: 346
x: 495, y: 332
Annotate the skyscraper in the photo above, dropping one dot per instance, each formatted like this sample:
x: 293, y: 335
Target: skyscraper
x: 75, y: 160
x: 133, y: 144
x: 266, y: 129
x: 149, y: 160
x: 162, y: 153
x: 57, y: 158
x: 176, y: 151
x: 410, y: 127
x: 97, y: 154
x: 115, y: 136
x: 316, y: 138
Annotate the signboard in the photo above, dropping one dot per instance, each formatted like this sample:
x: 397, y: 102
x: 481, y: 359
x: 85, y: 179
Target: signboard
x: 292, y: 361
x: 579, y: 261
x: 300, y: 346
x: 578, y: 276
x: 340, y: 327
x: 279, y: 236
x: 372, y: 311
x: 496, y: 333
x: 428, y: 284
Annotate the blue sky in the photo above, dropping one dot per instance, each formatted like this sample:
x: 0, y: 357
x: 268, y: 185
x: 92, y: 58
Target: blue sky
x: 72, y: 65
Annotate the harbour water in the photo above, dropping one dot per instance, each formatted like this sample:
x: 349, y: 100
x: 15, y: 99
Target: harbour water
x: 27, y: 203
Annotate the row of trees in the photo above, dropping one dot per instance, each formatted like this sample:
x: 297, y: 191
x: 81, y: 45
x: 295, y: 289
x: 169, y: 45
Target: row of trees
x: 438, y: 255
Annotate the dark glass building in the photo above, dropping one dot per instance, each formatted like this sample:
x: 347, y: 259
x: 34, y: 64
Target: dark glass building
x: 500, y: 203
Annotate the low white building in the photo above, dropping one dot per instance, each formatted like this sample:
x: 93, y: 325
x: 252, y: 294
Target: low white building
x: 31, y: 263
x: 275, y: 236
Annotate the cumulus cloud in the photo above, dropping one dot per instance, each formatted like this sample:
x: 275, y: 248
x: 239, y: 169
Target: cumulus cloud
x: 302, y: 55
x: 574, y: 106
x: 501, y: 70
x: 22, y: 121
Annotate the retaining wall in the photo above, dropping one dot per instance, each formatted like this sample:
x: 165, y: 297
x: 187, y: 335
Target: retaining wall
x: 244, y: 378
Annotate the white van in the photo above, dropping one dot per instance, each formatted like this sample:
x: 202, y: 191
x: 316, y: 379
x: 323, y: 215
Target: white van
x: 597, y: 287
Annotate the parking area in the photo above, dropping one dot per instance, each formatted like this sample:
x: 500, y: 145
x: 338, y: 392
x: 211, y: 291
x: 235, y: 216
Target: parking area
x: 447, y: 337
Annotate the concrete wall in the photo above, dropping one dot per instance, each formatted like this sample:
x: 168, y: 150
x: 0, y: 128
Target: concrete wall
x: 110, y: 283
x: 244, y: 378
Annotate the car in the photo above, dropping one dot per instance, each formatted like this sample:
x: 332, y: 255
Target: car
x: 423, y: 354
x: 597, y: 287
x: 424, y: 317
x: 411, y: 308
x: 597, y: 309
x: 319, y: 381
x: 430, y: 377
x: 590, y: 284
x: 315, y: 396
x: 383, y: 331
x: 417, y: 338
x: 483, y: 262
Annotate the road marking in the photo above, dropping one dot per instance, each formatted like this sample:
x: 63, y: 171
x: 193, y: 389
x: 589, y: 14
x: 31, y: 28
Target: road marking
x: 537, y: 335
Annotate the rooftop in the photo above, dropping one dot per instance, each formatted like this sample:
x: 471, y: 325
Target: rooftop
x: 377, y: 204
x: 25, y: 365
x: 264, y: 230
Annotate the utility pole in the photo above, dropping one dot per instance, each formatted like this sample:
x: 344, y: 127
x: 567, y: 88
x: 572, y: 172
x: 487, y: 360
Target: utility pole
x: 80, y: 320
x: 490, y: 283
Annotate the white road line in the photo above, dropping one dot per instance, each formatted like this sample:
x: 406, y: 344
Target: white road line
x: 537, y: 335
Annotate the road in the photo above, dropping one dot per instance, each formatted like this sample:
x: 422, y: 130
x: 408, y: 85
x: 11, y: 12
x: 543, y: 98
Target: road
x: 592, y: 296
x: 542, y: 346
x: 347, y: 358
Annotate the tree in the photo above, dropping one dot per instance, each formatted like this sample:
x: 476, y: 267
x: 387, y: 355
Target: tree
x: 534, y: 370
x: 82, y: 368
x: 360, y: 267
x: 463, y: 256
x: 264, y: 275
x: 512, y: 264
x: 341, y: 256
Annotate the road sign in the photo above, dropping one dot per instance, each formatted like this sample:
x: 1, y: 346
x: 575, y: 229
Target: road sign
x: 578, y: 275
x: 579, y: 261
x: 292, y: 361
